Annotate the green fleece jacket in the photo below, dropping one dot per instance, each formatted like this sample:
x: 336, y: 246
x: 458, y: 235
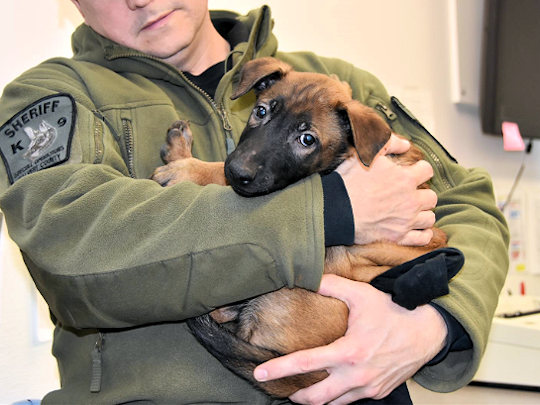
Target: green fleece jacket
x: 123, y: 262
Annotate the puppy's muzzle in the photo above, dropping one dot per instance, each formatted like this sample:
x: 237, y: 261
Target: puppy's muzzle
x: 247, y: 177
x: 240, y: 174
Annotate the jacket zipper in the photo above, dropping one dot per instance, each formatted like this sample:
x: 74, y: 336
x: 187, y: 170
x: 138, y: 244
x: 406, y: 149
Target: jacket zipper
x: 229, y: 141
x: 404, y: 110
x: 429, y: 151
x: 390, y: 115
x: 98, y: 138
x: 222, y: 113
x: 219, y: 109
x: 97, y: 363
x: 128, y: 140
x: 98, y: 135
x: 436, y: 161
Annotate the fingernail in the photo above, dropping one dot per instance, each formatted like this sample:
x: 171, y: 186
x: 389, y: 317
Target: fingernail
x: 260, y: 374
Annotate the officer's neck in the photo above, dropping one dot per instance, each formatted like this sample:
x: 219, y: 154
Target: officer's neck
x: 206, y: 49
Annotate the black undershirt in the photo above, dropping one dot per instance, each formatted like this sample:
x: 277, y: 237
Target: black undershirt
x: 209, y: 79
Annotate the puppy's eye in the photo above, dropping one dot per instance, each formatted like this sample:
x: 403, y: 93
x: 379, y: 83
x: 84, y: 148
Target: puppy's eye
x: 306, y: 139
x: 260, y: 111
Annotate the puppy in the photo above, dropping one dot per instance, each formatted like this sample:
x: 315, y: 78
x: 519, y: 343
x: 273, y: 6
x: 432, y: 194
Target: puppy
x: 302, y: 123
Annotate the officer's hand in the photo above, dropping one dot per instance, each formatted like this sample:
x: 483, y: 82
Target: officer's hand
x: 384, y: 346
x: 386, y: 203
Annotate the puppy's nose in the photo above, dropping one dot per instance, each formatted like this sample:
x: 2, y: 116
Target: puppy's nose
x: 238, y: 173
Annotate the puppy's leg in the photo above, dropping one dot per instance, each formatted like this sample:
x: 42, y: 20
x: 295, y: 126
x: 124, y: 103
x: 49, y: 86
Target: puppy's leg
x: 181, y: 166
x: 354, y: 262
x: 365, y: 262
x: 226, y: 314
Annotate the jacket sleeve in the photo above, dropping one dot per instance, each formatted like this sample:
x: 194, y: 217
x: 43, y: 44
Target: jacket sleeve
x: 110, y: 251
x: 468, y: 213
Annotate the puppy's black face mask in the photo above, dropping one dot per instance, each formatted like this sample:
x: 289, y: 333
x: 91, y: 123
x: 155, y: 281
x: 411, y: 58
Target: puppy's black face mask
x: 302, y: 123
x: 282, y: 144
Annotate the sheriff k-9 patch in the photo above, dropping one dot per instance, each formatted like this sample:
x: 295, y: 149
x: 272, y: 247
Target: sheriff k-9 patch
x: 38, y: 137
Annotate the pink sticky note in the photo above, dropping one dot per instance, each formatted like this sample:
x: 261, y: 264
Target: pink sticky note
x: 512, y: 139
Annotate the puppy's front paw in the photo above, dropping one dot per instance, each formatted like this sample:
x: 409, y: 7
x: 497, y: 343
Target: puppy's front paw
x: 179, y: 141
x: 174, y: 172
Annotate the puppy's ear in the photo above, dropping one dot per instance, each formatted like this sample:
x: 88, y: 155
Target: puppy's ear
x: 260, y: 74
x: 370, y: 131
x: 344, y: 84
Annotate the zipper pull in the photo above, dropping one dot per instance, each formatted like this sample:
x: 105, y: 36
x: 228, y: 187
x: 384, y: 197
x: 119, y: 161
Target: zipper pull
x: 224, y: 118
x: 229, y: 141
x: 390, y: 115
x: 95, y: 383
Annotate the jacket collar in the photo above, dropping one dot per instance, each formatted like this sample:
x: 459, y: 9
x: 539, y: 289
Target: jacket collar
x: 250, y: 36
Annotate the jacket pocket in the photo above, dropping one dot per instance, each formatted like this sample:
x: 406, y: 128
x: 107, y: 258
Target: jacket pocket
x: 401, y: 119
x: 410, y: 117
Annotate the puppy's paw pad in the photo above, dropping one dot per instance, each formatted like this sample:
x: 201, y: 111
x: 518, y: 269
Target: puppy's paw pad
x: 179, y: 141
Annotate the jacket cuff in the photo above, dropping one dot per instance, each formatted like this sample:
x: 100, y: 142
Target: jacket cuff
x: 457, y: 338
x: 338, y: 215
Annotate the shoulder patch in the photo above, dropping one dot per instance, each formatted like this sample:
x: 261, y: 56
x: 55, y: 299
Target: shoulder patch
x: 39, y: 136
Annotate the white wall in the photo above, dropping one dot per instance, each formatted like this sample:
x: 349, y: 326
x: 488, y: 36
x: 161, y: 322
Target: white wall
x: 31, y: 31
x: 406, y: 43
